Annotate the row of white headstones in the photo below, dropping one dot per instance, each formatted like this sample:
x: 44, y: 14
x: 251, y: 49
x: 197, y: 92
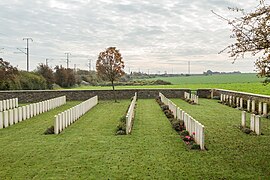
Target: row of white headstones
x: 192, y: 125
x: 192, y: 97
x: 251, y: 104
x: 8, y: 104
x: 255, y: 122
x: 130, y: 114
x: 66, y: 118
x: 18, y: 114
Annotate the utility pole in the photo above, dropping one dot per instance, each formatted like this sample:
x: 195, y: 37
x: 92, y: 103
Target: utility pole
x: 27, y: 51
x: 68, y: 54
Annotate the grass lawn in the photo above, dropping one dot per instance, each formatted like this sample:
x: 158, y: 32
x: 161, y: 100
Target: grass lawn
x: 88, y: 149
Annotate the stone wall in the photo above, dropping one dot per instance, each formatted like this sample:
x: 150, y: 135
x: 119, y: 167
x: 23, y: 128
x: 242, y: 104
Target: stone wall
x: 204, y: 93
x: 40, y: 95
x: 244, y: 95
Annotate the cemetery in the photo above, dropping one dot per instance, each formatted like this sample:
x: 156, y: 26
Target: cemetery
x: 153, y: 148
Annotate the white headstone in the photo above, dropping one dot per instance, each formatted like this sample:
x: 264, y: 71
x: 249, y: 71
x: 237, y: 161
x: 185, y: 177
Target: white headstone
x: 253, y: 106
x: 1, y: 106
x: 19, y: 114
x: 221, y: 97
x: 237, y: 101
x: 56, y: 125
x: 60, y: 120
x: 252, y: 122
x: 265, y: 109
x: 16, y: 102
x: 7, y: 104
x: 6, y: 120
x: 24, y: 113
x: 230, y: 100
x: 4, y: 105
x: 11, y: 118
x: 27, y: 111
x: 248, y: 105
x: 258, y: 125
x: 260, y: 108
x: 31, y: 110
x: 34, y: 109
x: 1, y: 120
x: 16, y: 119
x: 243, y: 119
x: 241, y: 103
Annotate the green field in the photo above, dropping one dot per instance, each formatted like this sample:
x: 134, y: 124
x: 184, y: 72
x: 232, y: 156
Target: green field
x: 237, y: 82
x: 88, y: 149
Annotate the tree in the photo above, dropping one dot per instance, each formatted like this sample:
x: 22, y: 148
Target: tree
x: 251, y: 32
x: 9, y: 76
x: 64, y: 77
x: 110, y: 66
x: 47, y: 73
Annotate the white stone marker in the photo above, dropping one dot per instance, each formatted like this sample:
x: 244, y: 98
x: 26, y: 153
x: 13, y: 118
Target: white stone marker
x: 243, y: 119
x: 24, y: 113
x: 241, y: 103
x: 16, y: 115
x: 60, y: 122
x: 221, y: 97
x: 6, y: 119
x: 27, y: 111
x: 252, y: 122
x: 253, y: 106
x: 31, y: 110
x: 38, y: 109
x: 248, y: 105
x: 4, y: 105
x: 230, y: 100
x: 1, y: 106
x: 34, y: 109
x: 10, y: 103
x: 56, y: 125
x: 260, y: 108
x: 258, y: 125
x: 1, y: 120
x: 237, y: 101
x: 11, y: 119
x: 20, y: 114
x: 264, y: 108
x: 63, y: 120
x: 16, y: 102
x: 66, y: 118
x: 7, y: 104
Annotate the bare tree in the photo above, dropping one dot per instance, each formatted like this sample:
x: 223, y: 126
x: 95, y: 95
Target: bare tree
x: 110, y: 66
x: 251, y: 32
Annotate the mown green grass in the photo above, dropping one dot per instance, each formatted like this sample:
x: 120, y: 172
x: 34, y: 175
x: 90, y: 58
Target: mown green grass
x: 88, y: 149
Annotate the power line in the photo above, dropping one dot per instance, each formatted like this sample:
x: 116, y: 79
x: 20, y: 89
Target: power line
x: 89, y: 64
x: 67, y: 60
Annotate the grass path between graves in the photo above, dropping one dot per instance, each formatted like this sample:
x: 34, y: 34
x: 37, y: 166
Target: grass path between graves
x: 88, y: 149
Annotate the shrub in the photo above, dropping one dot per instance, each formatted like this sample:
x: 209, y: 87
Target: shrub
x: 184, y: 133
x: 32, y: 81
x: 176, y: 124
x: 50, y: 130
x: 195, y: 146
x: 164, y: 107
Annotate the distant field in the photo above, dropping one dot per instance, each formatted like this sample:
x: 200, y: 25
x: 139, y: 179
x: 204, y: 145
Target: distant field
x: 213, y: 79
x: 237, y: 82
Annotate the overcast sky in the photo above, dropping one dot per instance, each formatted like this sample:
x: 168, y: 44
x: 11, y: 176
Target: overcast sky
x: 159, y: 35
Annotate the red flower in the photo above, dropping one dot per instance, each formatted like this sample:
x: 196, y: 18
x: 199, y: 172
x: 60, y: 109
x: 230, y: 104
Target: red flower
x: 193, y: 133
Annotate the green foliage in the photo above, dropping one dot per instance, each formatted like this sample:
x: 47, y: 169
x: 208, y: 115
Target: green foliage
x: 64, y: 77
x: 47, y: 73
x: 32, y: 81
x: 50, y: 130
